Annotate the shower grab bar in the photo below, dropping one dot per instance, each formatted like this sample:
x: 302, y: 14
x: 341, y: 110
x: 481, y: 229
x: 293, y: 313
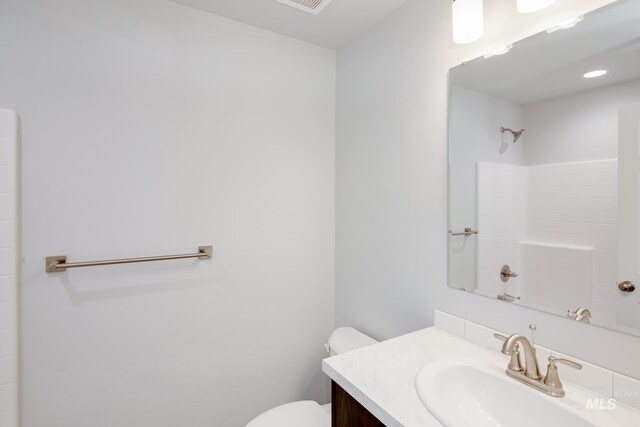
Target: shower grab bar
x: 467, y: 232
x: 55, y: 264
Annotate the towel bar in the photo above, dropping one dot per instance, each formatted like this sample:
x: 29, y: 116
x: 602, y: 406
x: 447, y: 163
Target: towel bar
x: 56, y: 264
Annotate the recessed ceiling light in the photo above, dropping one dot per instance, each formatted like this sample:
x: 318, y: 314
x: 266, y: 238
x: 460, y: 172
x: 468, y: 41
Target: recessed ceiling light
x: 595, y: 73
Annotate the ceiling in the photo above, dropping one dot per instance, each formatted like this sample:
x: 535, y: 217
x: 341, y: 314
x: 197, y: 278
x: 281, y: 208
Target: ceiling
x: 550, y: 65
x: 340, y: 22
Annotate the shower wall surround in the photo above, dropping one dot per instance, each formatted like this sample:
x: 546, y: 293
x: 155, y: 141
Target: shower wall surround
x: 502, y: 199
x: 9, y: 272
x: 151, y: 128
x: 557, y: 226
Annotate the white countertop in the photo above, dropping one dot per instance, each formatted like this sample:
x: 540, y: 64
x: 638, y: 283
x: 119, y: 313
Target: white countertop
x: 381, y: 376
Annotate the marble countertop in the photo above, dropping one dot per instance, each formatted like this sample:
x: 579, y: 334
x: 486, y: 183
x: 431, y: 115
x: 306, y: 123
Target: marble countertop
x: 381, y: 376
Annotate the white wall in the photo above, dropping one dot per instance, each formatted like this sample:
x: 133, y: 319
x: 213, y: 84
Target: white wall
x: 502, y: 208
x: 557, y: 278
x: 557, y: 226
x: 151, y: 128
x: 391, y: 148
x: 387, y: 238
x: 9, y: 268
x: 576, y: 204
x: 474, y: 129
x: 577, y: 127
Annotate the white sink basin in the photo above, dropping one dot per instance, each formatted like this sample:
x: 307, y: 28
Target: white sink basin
x: 469, y: 393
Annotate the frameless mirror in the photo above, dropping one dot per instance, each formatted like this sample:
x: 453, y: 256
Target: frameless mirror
x: 544, y: 171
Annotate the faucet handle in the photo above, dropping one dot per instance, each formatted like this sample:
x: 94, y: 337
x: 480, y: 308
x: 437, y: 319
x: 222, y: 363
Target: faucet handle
x: 552, y: 380
x: 570, y: 363
x: 500, y: 337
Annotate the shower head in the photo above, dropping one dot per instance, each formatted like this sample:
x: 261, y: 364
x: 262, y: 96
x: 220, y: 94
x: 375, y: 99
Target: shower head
x: 516, y: 134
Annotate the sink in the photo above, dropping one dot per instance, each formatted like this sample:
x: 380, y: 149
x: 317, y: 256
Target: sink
x: 472, y: 393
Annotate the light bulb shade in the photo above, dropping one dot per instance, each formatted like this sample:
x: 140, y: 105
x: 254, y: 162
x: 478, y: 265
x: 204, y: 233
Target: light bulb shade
x: 529, y: 6
x: 468, y: 21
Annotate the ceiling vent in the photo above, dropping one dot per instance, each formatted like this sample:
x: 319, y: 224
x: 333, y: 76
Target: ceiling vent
x: 310, y: 6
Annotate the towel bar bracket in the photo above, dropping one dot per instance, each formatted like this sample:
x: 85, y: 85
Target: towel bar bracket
x: 52, y: 263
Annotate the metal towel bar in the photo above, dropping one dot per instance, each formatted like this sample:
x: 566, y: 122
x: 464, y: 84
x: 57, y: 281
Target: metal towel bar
x: 55, y: 264
x: 466, y: 232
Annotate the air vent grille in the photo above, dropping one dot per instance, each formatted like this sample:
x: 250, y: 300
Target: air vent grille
x: 311, y: 6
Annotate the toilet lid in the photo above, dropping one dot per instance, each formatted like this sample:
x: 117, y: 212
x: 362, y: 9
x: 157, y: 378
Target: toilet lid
x: 306, y: 413
x: 343, y: 340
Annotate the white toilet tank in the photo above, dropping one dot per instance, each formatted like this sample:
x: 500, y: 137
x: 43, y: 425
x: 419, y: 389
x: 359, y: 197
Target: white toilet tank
x: 347, y: 339
x: 306, y: 413
x: 309, y: 413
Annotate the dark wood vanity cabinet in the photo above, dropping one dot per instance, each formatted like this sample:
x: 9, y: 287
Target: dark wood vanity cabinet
x: 347, y: 412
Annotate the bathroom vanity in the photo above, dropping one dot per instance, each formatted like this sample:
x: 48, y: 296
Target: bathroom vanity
x: 386, y: 384
x: 381, y: 378
x: 543, y: 213
x: 347, y: 411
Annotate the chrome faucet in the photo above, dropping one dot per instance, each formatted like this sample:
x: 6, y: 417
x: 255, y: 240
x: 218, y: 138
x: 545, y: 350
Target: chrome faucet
x: 530, y: 374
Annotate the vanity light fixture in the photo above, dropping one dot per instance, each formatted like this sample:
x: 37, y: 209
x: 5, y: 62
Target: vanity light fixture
x: 497, y: 52
x: 569, y: 23
x: 467, y: 20
x: 530, y: 6
x: 594, y: 74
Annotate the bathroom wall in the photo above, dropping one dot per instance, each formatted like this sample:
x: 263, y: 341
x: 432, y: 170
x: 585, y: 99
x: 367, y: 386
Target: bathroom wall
x: 391, y: 146
x: 575, y: 205
x: 9, y: 267
x: 556, y: 278
x: 577, y: 127
x: 557, y: 226
x: 390, y: 234
x: 150, y: 128
x: 476, y: 120
x: 502, y: 214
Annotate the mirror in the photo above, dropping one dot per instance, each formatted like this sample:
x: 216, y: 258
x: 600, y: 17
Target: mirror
x: 544, y: 171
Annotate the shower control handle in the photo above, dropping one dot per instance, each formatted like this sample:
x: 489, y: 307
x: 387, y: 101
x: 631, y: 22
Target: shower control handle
x: 506, y: 273
x: 626, y: 286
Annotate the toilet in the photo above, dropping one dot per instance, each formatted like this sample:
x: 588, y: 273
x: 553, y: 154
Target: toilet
x: 308, y: 413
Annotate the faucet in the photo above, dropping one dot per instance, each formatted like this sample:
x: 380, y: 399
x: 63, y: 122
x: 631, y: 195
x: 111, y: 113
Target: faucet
x: 581, y: 314
x: 530, y: 374
x: 531, y: 368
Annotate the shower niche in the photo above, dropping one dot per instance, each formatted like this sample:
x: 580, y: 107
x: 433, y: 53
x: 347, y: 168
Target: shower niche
x: 544, y: 166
